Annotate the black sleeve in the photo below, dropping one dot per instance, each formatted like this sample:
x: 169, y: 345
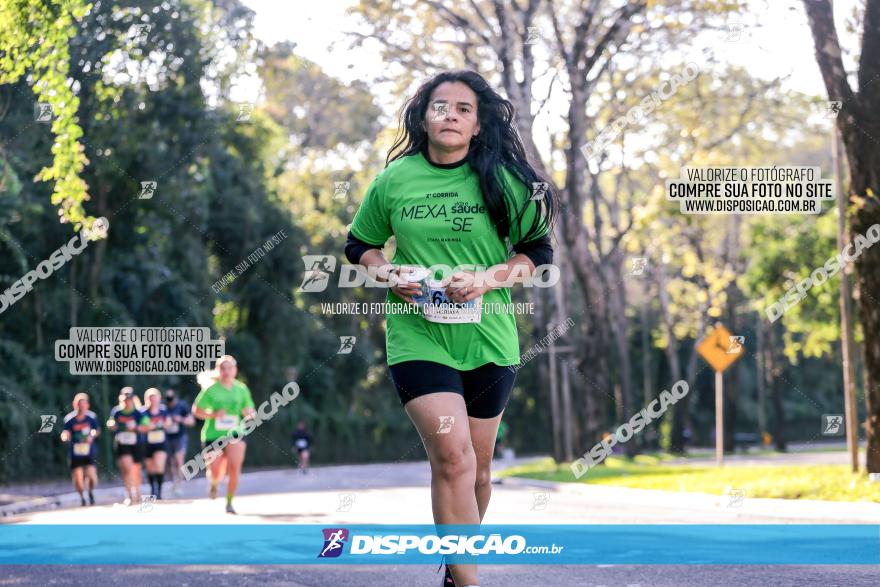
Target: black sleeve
x: 355, y: 247
x: 540, y: 251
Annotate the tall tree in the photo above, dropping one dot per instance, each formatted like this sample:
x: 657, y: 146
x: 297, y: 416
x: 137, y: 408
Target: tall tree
x: 859, y: 124
x: 34, y: 37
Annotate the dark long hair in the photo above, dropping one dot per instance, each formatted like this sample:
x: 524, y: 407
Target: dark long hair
x: 498, y: 143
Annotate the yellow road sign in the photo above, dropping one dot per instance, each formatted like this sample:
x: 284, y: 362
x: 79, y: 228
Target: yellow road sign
x: 721, y: 349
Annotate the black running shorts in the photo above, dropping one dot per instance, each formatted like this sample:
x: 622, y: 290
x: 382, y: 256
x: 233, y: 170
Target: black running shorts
x: 78, y: 461
x: 208, y: 443
x: 151, y: 449
x: 135, y: 451
x: 485, y: 389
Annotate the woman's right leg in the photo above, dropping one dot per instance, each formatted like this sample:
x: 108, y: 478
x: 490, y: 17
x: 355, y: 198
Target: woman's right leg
x: 453, y: 464
x: 150, y: 464
x: 123, y: 462
x: 234, y: 456
x: 77, y: 474
x: 216, y: 472
x: 136, y: 480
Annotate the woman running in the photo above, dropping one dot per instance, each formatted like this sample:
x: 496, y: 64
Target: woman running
x: 81, y: 428
x: 123, y: 422
x: 222, y: 406
x: 153, y: 424
x: 457, y: 189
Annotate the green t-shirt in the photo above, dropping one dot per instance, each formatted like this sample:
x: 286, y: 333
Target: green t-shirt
x: 233, y: 400
x: 438, y: 216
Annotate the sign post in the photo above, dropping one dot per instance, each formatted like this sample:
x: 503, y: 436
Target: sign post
x: 719, y: 418
x: 720, y: 349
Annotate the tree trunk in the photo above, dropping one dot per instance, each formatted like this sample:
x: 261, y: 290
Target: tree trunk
x: 647, y: 385
x: 858, y: 121
x: 620, y: 329
x: 100, y: 247
x: 868, y: 268
x: 671, y: 350
x: 774, y: 371
x: 71, y: 292
x: 761, y: 376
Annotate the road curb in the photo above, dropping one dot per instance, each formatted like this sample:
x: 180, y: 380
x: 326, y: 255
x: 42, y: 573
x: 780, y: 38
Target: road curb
x: 859, y: 512
x: 103, y: 496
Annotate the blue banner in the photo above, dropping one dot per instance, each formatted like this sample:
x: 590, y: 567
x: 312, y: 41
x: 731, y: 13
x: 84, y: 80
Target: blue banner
x: 371, y: 544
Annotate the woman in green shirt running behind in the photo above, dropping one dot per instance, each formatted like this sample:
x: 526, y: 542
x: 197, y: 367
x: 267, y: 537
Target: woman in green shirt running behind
x: 458, y: 192
x: 223, y: 406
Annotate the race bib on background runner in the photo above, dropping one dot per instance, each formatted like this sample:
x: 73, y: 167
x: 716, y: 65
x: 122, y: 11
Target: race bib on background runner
x: 156, y: 436
x: 302, y: 443
x: 227, y: 422
x: 173, y: 428
x: 127, y: 438
x: 436, y: 307
x: 81, y: 449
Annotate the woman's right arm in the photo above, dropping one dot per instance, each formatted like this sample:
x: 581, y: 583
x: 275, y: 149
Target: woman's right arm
x: 383, y: 271
x: 206, y: 415
x: 372, y: 222
x: 198, y: 411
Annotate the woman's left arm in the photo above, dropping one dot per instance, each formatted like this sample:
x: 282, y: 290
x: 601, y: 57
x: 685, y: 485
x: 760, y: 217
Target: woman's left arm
x: 468, y: 285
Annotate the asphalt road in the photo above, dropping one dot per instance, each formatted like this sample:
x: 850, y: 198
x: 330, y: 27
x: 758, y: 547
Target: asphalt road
x: 399, y: 493
x: 421, y: 576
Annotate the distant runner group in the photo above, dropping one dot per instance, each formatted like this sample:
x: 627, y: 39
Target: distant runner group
x: 153, y: 434
x: 140, y: 435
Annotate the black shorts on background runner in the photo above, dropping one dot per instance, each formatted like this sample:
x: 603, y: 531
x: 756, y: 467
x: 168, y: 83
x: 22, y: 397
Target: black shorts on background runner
x: 151, y: 449
x: 80, y: 461
x: 207, y: 443
x: 485, y: 389
x: 136, y: 451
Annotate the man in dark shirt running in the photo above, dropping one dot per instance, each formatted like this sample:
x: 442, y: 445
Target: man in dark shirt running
x: 302, y: 442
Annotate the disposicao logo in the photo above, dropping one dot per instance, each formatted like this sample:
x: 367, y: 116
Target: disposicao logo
x: 334, y: 540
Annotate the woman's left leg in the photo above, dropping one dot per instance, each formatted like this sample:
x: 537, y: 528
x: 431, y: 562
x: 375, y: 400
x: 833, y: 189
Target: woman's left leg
x: 483, y: 433
x: 486, y: 392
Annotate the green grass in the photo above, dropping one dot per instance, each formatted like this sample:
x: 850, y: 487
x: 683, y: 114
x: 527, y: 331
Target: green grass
x: 826, y: 482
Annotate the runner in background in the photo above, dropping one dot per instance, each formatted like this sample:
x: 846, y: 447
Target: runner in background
x: 153, y: 425
x: 81, y: 428
x: 302, y: 442
x: 177, y: 439
x: 127, y: 447
x: 222, y: 405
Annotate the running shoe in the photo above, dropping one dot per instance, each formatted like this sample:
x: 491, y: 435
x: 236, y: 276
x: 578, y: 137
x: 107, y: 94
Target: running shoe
x: 448, y: 581
x: 91, y: 498
x: 212, y: 491
x: 83, y: 500
x: 126, y: 501
x: 230, y: 509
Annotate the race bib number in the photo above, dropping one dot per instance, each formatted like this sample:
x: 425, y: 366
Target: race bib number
x: 173, y: 428
x: 126, y: 438
x: 227, y: 422
x: 436, y: 307
x: 302, y: 443
x: 82, y: 449
x: 156, y: 436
